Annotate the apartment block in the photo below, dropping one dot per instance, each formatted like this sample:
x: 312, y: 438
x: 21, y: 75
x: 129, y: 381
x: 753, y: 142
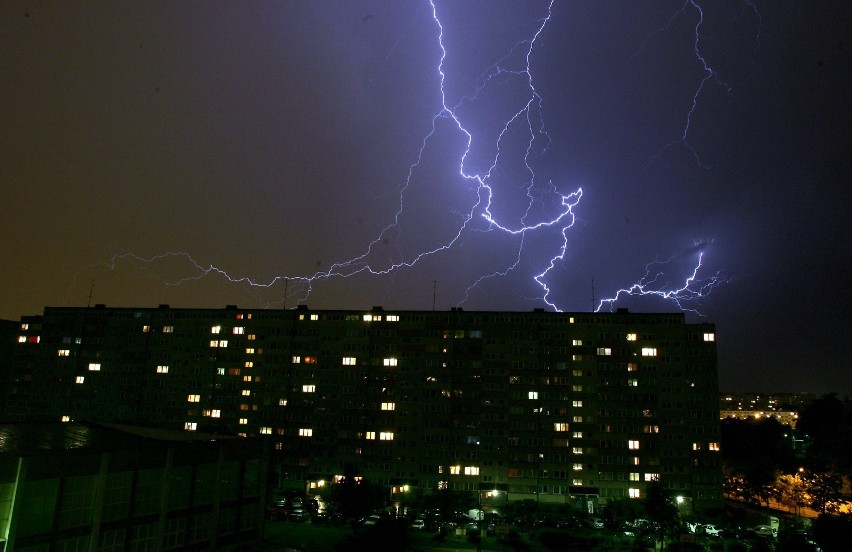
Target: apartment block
x: 557, y: 407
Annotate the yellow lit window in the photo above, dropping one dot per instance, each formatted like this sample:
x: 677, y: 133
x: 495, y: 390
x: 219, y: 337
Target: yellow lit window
x: 64, y: 352
x: 633, y: 492
x: 649, y: 351
x: 215, y: 329
x: 306, y: 432
x: 604, y: 351
x: 22, y: 339
x: 532, y: 395
x: 168, y: 329
x: 282, y: 402
x: 266, y: 431
x: 632, y: 367
x: 631, y: 337
x: 309, y: 388
x: 233, y: 371
x: 310, y: 360
x: 146, y: 329
x: 652, y: 477
x: 215, y: 413
x: 577, y: 404
x: 577, y: 466
x: 577, y: 435
x: 388, y: 406
x: 249, y: 350
x: 80, y: 379
x: 249, y: 364
x: 349, y: 361
x: 371, y: 435
x: 243, y: 421
x: 455, y: 470
x: 392, y: 318
x: 239, y: 330
x: 25, y: 326
x: 162, y: 369
x: 95, y: 366
x: 246, y: 392
x: 633, y: 444
x: 560, y: 426
x: 65, y: 418
x: 297, y: 360
x: 634, y: 460
x: 471, y: 470
x: 576, y: 450
x: 713, y: 447
x: 709, y: 337
x: 577, y: 342
x: 193, y: 398
x: 577, y: 419
x: 190, y: 426
x: 251, y: 337
x: 246, y: 378
x: 696, y: 446
x: 390, y: 362
x: 632, y: 382
x: 386, y: 436
x: 634, y: 476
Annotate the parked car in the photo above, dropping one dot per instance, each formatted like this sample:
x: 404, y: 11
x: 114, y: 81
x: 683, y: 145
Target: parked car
x: 418, y: 524
x: 595, y: 523
x: 297, y: 514
x: 710, y: 529
x: 765, y: 531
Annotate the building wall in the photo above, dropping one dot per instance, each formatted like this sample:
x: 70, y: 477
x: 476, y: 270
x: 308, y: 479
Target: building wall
x: 550, y: 406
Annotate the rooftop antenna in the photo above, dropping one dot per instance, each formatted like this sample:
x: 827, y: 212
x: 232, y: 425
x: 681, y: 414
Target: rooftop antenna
x: 434, y: 292
x: 91, y: 291
x: 593, y: 295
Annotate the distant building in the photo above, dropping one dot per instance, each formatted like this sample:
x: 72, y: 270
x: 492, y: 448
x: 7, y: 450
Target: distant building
x: 72, y: 486
x: 559, y: 407
x: 784, y: 407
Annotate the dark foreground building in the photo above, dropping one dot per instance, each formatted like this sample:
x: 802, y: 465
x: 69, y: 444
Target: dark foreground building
x: 556, y: 407
x: 72, y: 486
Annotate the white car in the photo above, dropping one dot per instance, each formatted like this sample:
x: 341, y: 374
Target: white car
x: 710, y: 529
x: 765, y: 531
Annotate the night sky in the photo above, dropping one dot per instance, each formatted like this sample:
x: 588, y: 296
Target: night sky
x: 144, y: 143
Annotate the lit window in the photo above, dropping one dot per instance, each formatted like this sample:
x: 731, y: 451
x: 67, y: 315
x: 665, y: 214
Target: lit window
x: 162, y: 369
x: 633, y: 444
x: 576, y: 373
x: 390, y: 362
x: 471, y: 470
x: 392, y: 318
x: 560, y: 426
x: 632, y: 367
x: 239, y: 330
x: 577, y: 435
x: 246, y: 378
x: 190, y: 426
x: 266, y: 431
x: 65, y: 418
x: 577, y: 466
x: 243, y: 421
x: 576, y: 358
x: 168, y: 329
x: 577, y: 404
x: 455, y: 470
x: 25, y: 326
x: 282, y: 402
x: 249, y: 350
x: 219, y: 343
x: 371, y: 435
x: 577, y: 482
x: 233, y: 371
x: 215, y: 413
x: 577, y: 342
x: 631, y: 337
x: 22, y: 339
x: 146, y: 329
x: 80, y: 379
x: 297, y: 359
x: 577, y: 450
x: 634, y: 476
x: 388, y: 406
x: 95, y: 366
x: 577, y: 419
x: 604, y: 351
x: 709, y: 337
x: 251, y: 337
x: 577, y: 388
x: 649, y: 351
x: 64, y: 352
x: 314, y: 317
x: 652, y: 477
x: 349, y: 361
x: 634, y: 460
x: 386, y: 436
x: 193, y: 398
x: 633, y: 492
x: 310, y: 360
x: 371, y: 318
x: 309, y: 388
x: 632, y: 382
x: 713, y: 446
x: 533, y: 395
x: 246, y: 392
x: 215, y: 329
x: 696, y: 446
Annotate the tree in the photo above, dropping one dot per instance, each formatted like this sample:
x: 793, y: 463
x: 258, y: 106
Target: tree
x: 827, y: 423
x: 825, y: 490
x: 662, y: 510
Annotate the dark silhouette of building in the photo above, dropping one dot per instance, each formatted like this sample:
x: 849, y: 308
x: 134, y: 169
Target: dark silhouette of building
x: 557, y: 407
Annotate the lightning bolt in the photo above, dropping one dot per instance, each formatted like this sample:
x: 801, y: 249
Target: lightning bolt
x: 548, y: 213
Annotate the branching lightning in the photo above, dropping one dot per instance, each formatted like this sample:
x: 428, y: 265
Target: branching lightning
x: 527, y: 118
